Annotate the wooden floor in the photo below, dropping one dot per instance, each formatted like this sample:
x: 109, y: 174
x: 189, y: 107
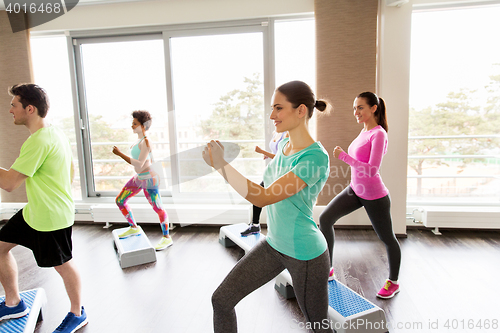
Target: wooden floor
x: 453, y: 277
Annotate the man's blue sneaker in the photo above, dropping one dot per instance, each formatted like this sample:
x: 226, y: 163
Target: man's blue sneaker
x: 17, y: 311
x: 72, y: 322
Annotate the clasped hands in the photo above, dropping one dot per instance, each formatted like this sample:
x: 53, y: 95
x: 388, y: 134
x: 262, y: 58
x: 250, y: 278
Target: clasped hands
x: 213, y: 154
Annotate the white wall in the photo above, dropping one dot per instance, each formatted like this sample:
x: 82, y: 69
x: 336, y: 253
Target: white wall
x: 144, y: 13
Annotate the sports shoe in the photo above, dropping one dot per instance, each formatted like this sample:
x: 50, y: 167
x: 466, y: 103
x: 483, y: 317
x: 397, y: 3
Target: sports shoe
x: 164, y: 243
x: 388, y: 290
x: 331, y: 276
x: 72, y: 322
x: 130, y: 232
x: 251, y: 230
x: 18, y: 311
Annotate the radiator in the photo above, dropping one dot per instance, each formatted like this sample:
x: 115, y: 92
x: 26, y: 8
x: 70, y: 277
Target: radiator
x: 460, y: 217
x: 183, y: 214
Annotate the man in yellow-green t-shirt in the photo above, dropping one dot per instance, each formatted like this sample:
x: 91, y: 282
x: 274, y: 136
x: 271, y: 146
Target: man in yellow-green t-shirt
x: 44, y: 225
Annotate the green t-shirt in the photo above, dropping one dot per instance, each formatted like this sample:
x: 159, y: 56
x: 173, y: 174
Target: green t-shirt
x: 46, y: 159
x: 291, y: 229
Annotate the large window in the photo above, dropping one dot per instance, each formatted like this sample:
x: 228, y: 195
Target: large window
x: 454, y: 127
x: 199, y: 84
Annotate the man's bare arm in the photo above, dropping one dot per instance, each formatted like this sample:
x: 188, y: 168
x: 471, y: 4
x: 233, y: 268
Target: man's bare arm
x: 11, y: 179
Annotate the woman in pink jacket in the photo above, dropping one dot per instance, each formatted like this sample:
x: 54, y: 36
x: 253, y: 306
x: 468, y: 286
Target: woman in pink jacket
x: 366, y: 189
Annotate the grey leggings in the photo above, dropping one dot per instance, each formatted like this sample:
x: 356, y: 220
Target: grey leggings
x: 261, y: 265
x: 379, y: 212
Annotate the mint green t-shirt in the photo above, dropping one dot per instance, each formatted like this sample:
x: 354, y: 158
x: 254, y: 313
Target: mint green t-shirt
x: 291, y: 229
x: 46, y: 159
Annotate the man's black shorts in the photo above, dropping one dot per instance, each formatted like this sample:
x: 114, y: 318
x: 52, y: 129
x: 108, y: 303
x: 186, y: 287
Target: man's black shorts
x: 51, y: 248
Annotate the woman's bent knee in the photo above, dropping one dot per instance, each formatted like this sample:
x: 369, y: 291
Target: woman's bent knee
x: 217, y: 301
x: 325, y: 222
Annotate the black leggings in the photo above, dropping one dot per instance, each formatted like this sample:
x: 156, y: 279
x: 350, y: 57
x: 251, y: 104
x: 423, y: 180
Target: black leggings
x: 257, y: 211
x: 259, y: 266
x: 379, y: 212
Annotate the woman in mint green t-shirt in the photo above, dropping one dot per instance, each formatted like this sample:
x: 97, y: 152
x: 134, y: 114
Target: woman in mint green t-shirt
x: 292, y: 182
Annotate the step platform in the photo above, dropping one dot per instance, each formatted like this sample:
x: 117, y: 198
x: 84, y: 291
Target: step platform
x: 229, y: 235
x: 134, y: 250
x: 348, y: 311
x: 35, y: 299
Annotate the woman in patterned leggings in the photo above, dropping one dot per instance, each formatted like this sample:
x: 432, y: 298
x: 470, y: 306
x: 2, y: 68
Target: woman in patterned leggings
x: 145, y: 180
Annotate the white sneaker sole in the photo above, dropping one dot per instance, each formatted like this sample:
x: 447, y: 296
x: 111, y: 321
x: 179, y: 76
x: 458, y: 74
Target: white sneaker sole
x: 16, y: 315
x: 127, y: 236
x: 83, y: 323
x: 387, y: 297
x: 164, y: 247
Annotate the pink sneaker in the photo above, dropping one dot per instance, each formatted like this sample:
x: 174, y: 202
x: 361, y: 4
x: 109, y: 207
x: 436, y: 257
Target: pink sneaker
x: 389, y: 290
x: 331, y: 276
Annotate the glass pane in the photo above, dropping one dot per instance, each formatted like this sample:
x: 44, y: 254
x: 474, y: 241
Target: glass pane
x: 219, y: 95
x: 454, y: 128
x: 289, y: 37
x: 51, y: 71
x: 119, y: 78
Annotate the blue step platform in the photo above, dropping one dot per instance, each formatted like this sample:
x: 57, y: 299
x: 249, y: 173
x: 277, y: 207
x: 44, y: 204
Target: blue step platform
x: 134, y: 250
x: 35, y: 299
x: 348, y: 311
